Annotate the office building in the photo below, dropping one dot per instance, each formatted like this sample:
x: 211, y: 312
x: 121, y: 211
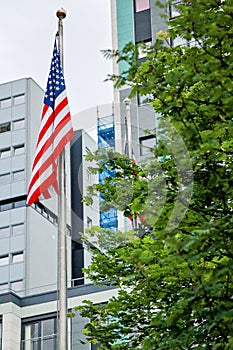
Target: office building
x: 134, y: 21
x: 28, y: 235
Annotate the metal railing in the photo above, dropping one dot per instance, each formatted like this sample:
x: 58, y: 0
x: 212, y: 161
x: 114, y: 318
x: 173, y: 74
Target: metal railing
x: 40, y: 343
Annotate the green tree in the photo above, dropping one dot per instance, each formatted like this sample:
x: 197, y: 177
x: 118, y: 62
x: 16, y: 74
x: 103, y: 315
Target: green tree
x: 174, y: 277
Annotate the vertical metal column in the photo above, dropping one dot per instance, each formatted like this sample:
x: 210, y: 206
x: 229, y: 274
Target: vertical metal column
x: 128, y: 149
x: 61, y: 245
x: 128, y: 146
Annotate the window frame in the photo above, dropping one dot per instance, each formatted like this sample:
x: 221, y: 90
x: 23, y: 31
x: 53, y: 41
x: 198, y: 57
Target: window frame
x: 5, y: 127
x: 19, y: 121
x: 21, y: 171
x: 89, y: 222
x: 144, y: 149
x: 17, y: 99
x: 2, y: 257
x: 20, y: 203
x: 17, y: 289
x: 6, y: 206
x: 17, y: 255
x: 18, y: 148
x: 5, y: 100
x: 6, y: 150
x: 5, y: 234
x: 173, y: 11
x: 38, y: 338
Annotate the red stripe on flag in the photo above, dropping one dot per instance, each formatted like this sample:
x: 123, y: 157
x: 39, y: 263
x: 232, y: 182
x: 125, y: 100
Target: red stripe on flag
x: 43, y: 189
x: 55, y: 132
x: 51, y: 159
x: 51, y: 139
x: 52, y: 117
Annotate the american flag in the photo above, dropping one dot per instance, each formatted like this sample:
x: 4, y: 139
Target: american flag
x: 55, y: 132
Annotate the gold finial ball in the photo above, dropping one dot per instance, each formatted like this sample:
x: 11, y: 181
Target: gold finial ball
x: 61, y: 13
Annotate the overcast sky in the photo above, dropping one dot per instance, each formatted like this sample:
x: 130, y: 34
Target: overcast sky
x: 27, y: 32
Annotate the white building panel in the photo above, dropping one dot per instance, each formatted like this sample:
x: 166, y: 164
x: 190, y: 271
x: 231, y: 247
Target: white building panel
x: 4, y: 245
x: 16, y: 271
x: 4, y: 274
x: 17, y: 243
x: 5, y: 166
x: 41, y: 254
x: 5, y: 90
x: 18, y: 188
x: 18, y: 215
x: 18, y: 137
x: 5, y: 191
x: 5, y: 139
x: 19, y: 86
x: 18, y: 112
x: 5, y: 114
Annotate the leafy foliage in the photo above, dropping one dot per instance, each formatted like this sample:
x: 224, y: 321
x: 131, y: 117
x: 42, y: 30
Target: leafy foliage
x: 175, y: 286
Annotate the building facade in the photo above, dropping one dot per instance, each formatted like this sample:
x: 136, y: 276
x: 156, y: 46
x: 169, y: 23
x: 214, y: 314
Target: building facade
x: 28, y: 234
x: 82, y: 217
x: 29, y: 323
x: 134, y: 21
x: 22, y: 240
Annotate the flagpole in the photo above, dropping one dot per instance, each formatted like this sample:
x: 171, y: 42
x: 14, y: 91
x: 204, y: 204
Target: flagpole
x: 61, y: 245
x: 127, y: 103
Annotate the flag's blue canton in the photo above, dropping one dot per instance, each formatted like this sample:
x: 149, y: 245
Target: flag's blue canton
x: 55, y: 84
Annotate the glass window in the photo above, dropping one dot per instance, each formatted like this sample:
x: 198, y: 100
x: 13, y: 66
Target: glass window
x: 5, y: 178
x: 20, y: 203
x: 147, y: 143
x: 194, y: 43
x: 6, y: 206
x: 47, y: 327
x: 20, y: 149
x: 18, y: 229
x: 173, y: 8
x: 48, y: 332
x: 5, y: 103
x: 19, y: 99
x: 144, y: 99
x: 141, y: 5
x: 5, y: 153
x: 19, y: 124
x: 35, y: 330
x: 87, y: 150
x: 89, y: 177
x: 17, y: 285
x: 44, y: 213
x: 5, y: 127
x: 178, y: 41
x: 4, y: 260
x: 18, y: 175
x: 38, y: 208
x: 89, y: 222
x: 142, y: 49
x: 40, y: 335
x: 3, y: 289
x: 17, y: 257
x: 4, y: 232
